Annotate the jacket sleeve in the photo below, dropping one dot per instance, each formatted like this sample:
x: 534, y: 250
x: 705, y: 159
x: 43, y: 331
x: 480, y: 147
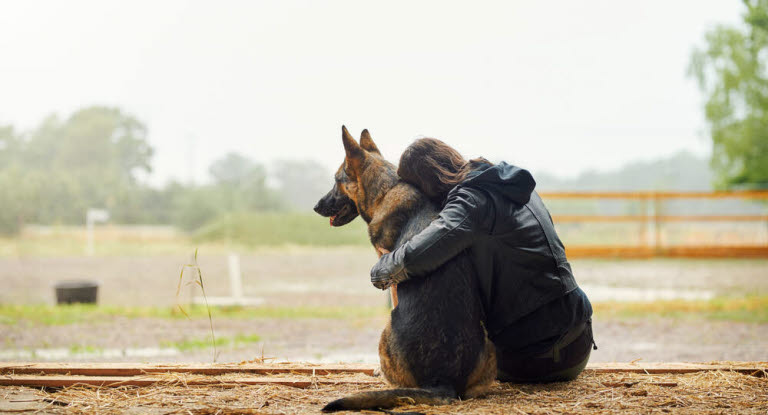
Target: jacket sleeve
x: 462, y: 220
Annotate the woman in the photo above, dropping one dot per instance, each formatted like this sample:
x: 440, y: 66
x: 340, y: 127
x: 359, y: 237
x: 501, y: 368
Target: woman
x: 536, y: 315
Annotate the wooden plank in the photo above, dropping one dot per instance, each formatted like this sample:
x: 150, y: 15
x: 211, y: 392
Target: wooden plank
x: 624, y: 251
x: 748, y: 194
x: 135, y: 369
x: 750, y: 368
x: 58, y: 381
x: 49, y: 374
x: 744, y: 251
x: 661, y: 218
x: 122, y: 369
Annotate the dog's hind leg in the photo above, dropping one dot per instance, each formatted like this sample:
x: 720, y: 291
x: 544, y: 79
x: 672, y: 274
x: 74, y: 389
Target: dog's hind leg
x: 484, y: 373
x: 393, y: 366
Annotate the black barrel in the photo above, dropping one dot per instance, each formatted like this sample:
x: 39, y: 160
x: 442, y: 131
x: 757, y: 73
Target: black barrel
x: 68, y: 292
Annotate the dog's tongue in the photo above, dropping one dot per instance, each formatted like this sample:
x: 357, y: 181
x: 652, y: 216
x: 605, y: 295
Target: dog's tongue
x: 332, y: 218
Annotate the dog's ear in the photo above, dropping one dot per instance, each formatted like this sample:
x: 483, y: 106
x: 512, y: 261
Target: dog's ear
x: 355, y: 153
x: 367, y: 143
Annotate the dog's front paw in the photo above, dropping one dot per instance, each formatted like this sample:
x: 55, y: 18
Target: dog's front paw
x: 377, y: 371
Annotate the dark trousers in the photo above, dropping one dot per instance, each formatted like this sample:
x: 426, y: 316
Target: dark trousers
x: 563, y: 362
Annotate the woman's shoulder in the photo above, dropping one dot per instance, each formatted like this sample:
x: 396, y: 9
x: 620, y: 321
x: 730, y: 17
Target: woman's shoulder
x: 474, y: 201
x: 502, y: 182
x: 469, y: 192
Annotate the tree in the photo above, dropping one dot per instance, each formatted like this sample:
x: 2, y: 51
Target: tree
x: 93, y: 139
x: 731, y: 72
x: 235, y: 170
x: 53, y: 173
x: 9, y: 145
x: 302, y: 182
x: 241, y: 184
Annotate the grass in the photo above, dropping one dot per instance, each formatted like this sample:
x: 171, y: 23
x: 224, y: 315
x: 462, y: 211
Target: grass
x: 195, y: 344
x: 279, y: 229
x: 248, y: 230
x: 199, y: 281
x: 48, y: 315
x: 79, y: 348
x: 751, y: 309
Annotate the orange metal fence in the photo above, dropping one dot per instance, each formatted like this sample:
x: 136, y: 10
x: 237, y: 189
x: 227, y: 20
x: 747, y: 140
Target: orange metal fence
x: 654, y: 246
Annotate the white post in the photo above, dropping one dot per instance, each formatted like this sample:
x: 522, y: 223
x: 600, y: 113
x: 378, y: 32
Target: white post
x: 235, y: 278
x: 91, y: 217
x: 236, y: 297
x: 88, y: 234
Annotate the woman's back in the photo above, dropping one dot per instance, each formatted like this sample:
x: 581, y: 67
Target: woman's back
x: 534, y: 308
x: 519, y: 259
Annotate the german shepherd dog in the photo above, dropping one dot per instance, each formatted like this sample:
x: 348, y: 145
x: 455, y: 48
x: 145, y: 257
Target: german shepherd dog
x: 434, y: 348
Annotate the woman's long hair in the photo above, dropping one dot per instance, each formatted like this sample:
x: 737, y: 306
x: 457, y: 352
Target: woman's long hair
x: 435, y: 167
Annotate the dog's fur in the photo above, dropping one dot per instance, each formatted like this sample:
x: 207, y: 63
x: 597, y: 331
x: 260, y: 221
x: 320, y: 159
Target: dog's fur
x: 435, y: 348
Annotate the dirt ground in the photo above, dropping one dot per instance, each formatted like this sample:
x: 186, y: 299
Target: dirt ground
x: 335, y: 276
x: 339, y: 277
x: 334, y: 340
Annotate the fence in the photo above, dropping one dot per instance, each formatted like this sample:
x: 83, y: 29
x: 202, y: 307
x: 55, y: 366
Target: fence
x: 653, y: 219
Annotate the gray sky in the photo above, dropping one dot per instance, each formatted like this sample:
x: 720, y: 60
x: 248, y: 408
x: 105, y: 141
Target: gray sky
x: 559, y: 86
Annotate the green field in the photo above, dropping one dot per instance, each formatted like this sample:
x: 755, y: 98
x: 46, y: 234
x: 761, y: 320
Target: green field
x: 246, y: 230
x: 278, y: 229
x: 48, y: 315
x: 750, y: 309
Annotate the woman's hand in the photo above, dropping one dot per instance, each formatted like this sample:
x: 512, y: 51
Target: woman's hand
x: 389, y: 270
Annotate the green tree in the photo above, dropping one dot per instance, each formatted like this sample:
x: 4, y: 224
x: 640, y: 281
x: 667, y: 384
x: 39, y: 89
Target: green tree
x: 9, y: 145
x: 53, y: 173
x: 98, y: 140
x: 731, y: 71
x: 302, y: 182
x: 241, y: 184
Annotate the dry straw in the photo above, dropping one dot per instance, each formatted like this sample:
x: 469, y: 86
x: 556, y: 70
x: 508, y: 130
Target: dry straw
x: 715, y: 392
x: 197, y: 281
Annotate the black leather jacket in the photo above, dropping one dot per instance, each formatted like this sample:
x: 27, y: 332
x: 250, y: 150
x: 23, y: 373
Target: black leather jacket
x: 509, y: 234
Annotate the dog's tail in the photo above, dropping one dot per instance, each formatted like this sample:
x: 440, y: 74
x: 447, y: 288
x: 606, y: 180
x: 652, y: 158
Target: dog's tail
x: 391, y: 398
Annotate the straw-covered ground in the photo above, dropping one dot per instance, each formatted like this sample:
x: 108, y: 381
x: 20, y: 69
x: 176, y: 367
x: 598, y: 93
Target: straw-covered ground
x: 714, y: 392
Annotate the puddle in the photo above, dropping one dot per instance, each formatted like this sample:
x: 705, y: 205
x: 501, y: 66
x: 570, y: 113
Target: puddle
x: 602, y: 293
x: 63, y: 353
x: 337, y: 358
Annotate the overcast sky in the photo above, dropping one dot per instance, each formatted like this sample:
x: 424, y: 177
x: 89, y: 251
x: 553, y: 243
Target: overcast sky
x: 553, y: 86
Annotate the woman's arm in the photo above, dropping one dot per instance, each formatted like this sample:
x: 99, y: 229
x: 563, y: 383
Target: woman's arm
x: 461, y: 220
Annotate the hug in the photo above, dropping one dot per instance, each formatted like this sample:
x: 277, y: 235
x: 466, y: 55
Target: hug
x: 537, y: 317
x: 481, y: 285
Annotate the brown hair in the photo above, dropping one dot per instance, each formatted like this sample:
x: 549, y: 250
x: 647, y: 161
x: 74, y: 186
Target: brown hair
x: 435, y: 167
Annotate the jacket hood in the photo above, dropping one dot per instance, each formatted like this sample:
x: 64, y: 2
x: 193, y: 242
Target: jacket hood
x: 510, y: 181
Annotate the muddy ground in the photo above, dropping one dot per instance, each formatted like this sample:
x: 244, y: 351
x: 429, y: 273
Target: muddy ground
x: 335, y: 340
x: 333, y: 277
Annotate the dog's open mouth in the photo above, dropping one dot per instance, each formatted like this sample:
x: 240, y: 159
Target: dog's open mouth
x: 343, y: 216
x: 340, y: 214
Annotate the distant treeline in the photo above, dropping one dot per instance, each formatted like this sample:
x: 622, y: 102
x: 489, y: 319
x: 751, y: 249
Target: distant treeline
x: 679, y: 172
x: 97, y: 158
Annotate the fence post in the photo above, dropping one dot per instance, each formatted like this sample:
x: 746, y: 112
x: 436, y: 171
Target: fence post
x: 644, y: 223
x: 657, y: 222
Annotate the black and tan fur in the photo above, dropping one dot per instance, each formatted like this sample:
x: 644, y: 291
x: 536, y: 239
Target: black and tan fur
x: 434, y: 349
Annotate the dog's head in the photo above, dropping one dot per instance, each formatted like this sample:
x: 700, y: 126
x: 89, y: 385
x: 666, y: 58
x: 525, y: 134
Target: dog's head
x: 342, y: 202
x: 336, y: 204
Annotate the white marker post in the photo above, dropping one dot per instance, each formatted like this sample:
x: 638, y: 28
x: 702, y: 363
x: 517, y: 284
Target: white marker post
x: 91, y: 217
x: 235, y: 278
x: 236, y: 297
